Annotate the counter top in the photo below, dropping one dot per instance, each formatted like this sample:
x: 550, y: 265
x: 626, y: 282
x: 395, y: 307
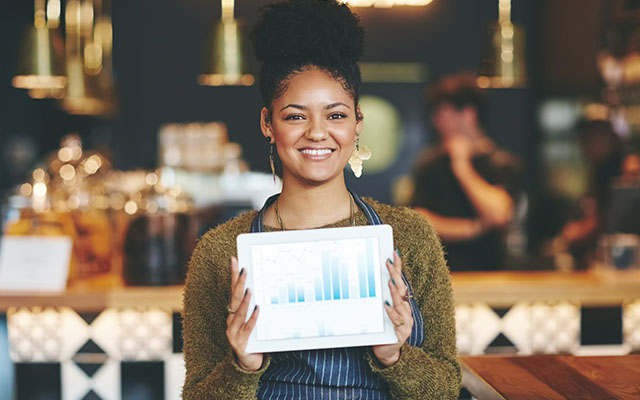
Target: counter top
x: 590, y: 288
x: 496, y: 289
x: 98, y: 294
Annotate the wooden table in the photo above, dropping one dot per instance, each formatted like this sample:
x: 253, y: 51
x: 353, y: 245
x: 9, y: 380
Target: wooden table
x: 552, y: 377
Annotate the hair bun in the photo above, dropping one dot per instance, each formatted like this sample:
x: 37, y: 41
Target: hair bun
x: 316, y: 31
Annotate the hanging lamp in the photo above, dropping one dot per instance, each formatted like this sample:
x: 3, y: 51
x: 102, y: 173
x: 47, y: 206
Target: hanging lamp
x: 226, y: 60
x: 90, y: 89
x: 386, y: 3
x: 40, y: 62
x: 503, y: 64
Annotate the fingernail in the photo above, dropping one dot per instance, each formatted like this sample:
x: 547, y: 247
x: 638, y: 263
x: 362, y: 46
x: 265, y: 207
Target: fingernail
x: 398, y: 252
x: 394, y: 282
x: 255, y: 308
x: 246, y: 291
x: 241, y: 272
x: 390, y: 261
x: 387, y: 303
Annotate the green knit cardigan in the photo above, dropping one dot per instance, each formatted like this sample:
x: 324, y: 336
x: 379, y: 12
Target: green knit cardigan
x: 428, y: 372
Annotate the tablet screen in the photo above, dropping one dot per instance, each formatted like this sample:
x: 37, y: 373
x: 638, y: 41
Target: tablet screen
x: 317, y: 288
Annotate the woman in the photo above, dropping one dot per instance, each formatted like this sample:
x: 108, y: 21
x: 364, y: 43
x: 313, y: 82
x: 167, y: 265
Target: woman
x: 309, y: 82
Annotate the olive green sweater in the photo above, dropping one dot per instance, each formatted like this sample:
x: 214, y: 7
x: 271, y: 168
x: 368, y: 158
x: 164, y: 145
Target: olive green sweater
x: 428, y: 372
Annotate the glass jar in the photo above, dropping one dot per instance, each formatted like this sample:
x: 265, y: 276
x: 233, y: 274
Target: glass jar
x: 159, y: 238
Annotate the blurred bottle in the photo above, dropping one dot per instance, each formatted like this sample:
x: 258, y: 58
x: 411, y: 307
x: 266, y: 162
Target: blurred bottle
x: 618, y: 252
x: 160, y: 236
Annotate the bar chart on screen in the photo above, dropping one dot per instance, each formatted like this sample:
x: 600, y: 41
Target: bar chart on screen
x: 320, y: 288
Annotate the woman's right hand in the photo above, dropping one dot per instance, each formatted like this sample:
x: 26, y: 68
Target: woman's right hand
x: 238, y: 330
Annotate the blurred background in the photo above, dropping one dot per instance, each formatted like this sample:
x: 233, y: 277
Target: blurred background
x: 151, y: 55
x: 133, y: 127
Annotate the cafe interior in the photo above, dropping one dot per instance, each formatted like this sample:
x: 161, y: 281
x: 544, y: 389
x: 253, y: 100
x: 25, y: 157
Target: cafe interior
x: 128, y: 129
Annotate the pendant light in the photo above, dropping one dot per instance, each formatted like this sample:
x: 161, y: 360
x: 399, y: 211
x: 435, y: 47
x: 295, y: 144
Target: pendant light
x: 90, y: 89
x: 226, y: 60
x: 503, y: 64
x: 40, y: 62
x: 386, y: 3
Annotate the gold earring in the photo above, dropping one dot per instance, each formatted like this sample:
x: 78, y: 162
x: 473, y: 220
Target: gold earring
x: 272, y: 159
x: 360, y: 153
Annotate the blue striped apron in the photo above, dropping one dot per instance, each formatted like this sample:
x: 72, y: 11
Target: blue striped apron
x: 329, y: 374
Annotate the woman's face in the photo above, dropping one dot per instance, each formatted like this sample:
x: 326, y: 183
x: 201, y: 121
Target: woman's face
x: 314, y: 126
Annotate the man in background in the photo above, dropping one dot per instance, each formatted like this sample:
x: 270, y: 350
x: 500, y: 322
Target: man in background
x: 603, y: 153
x: 465, y: 185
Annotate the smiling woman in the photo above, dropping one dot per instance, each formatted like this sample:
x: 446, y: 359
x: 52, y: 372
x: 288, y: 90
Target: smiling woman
x: 309, y: 83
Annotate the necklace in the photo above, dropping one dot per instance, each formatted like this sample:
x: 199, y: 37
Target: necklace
x: 351, y: 207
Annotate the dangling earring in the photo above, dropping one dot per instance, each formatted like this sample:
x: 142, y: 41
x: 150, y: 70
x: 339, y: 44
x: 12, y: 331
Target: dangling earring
x: 360, y: 153
x: 272, y: 158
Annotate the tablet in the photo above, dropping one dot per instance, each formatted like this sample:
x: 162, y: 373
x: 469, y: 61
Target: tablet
x: 318, y: 288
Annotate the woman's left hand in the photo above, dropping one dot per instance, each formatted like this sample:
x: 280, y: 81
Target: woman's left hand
x: 399, y: 312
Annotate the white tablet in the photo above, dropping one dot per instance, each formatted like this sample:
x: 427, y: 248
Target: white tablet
x: 318, y: 288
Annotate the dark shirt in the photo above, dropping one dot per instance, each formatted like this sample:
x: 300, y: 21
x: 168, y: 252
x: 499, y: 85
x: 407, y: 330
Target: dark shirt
x: 601, y: 177
x: 437, y: 189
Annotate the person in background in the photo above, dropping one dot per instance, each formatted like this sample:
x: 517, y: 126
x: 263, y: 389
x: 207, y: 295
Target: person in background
x: 309, y: 81
x: 465, y: 185
x: 603, y: 152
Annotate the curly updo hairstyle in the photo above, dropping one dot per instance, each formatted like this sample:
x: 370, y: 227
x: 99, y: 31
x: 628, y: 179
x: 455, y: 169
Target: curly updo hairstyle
x: 293, y: 35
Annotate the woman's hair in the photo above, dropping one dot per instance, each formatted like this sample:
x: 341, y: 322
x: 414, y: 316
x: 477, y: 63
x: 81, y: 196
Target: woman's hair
x: 293, y: 35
